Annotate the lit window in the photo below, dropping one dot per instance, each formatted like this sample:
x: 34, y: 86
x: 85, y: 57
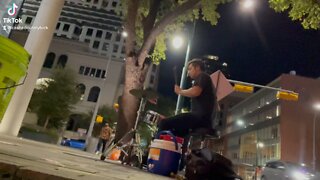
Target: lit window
x: 278, y: 111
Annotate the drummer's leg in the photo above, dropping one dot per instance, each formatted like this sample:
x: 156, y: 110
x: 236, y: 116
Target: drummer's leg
x: 179, y: 125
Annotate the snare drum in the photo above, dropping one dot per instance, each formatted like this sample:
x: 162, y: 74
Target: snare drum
x: 151, y: 117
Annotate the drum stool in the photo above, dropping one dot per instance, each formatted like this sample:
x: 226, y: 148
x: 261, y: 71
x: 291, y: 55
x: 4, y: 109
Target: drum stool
x: 205, y: 134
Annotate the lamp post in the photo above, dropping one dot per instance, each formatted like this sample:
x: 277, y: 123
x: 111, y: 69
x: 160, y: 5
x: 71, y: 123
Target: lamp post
x: 184, y: 70
x: 104, y: 81
x: 314, y: 158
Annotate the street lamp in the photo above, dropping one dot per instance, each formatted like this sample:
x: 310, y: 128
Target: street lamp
x: 177, y: 42
x: 124, y: 34
x: 240, y: 123
x: 104, y: 81
x: 314, y: 158
x: 248, y: 4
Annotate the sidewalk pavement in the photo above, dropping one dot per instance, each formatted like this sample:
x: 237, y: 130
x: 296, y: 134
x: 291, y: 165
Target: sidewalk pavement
x: 30, y: 160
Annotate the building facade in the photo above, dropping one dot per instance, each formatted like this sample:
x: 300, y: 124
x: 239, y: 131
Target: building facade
x: 264, y: 127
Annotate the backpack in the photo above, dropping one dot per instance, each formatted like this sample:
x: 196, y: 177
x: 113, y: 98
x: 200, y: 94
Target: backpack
x: 204, y: 164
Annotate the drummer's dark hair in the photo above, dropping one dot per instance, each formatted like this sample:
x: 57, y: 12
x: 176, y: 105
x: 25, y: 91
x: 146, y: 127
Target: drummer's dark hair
x: 196, y: 62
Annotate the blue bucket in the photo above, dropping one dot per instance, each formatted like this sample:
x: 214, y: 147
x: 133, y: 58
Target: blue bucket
x: 164, y: 157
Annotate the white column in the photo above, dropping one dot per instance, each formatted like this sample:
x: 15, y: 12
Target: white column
x: 37, y: 45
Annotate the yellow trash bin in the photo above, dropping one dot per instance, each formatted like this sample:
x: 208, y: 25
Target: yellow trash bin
x: 14, y: 60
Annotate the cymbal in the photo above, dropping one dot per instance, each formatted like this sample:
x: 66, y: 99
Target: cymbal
x: 147, y: 93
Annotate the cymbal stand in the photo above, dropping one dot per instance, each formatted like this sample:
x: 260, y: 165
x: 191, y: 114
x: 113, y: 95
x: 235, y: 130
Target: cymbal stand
x: 133, y: 144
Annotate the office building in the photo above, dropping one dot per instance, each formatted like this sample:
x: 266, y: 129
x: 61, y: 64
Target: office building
x: 263, y: 127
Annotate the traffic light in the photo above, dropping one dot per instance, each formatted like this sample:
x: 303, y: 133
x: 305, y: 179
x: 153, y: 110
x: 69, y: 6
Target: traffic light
x: 287, y: 96
x: 243, y: 88
x: 99, y: 119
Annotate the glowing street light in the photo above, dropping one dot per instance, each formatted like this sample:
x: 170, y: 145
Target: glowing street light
x: 124, y: 34
x: 240, y: 122
x: 247, y: 4
x: 260, y: 145
x: 177, y: 42
x: 317, y: 106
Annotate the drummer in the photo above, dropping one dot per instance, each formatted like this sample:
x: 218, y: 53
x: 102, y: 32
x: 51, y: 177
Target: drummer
x: 203, y: 100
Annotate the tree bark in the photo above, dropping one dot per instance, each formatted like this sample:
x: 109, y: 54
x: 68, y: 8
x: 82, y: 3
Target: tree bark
x: 134, y: 79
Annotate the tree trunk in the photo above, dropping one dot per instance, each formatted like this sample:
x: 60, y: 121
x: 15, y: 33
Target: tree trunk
x: 46, y: 122
x: 134, y: 79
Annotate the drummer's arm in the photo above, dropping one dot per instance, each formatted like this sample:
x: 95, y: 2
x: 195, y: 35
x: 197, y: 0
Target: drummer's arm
x: 194, y: 91
x: 162, y: 116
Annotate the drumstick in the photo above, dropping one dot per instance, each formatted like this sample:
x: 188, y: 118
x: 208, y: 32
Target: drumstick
x: 175, y: 75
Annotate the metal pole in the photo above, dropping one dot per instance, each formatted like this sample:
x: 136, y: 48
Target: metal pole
x: 314, y: 142
x: 184, y: 71
x: 257, y: 158
x: 183, y: 81
x: 261, y: 86
x: 96, y: 108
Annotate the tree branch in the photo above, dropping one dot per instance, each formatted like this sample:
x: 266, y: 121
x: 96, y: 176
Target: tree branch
x: 149, y: 21
x: 133, y: 6
x: 159, y: 27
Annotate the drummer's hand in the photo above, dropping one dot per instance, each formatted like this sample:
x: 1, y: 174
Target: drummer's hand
x: 177, y: 89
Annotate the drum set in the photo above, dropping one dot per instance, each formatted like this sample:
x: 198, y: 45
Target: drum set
x: 151, y: 118
x: 132, y: 150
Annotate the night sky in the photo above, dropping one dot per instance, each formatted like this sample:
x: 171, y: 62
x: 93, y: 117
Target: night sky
x: 258, y: 46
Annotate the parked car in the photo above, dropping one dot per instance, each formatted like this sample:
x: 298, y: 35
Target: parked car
x: 74, y: 143
x: 281, y: 170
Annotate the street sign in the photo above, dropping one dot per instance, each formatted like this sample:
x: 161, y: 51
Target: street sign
x: 222, y: 85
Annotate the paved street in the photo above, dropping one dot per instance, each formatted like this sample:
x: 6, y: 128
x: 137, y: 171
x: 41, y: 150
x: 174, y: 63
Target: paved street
x: 26, y: 159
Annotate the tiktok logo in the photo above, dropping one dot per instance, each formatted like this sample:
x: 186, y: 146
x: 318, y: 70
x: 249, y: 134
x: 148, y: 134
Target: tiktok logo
x: 13, y: 10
